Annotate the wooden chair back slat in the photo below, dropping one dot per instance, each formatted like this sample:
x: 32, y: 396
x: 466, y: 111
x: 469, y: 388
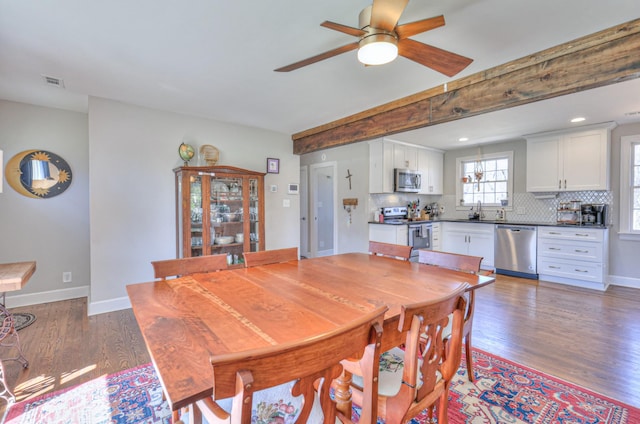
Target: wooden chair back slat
x: 391, y: 250
x: 186, y: 266
x: 449, y: 260
x: 426, y: 355
x: 265, y: 257
x: 240, y: 375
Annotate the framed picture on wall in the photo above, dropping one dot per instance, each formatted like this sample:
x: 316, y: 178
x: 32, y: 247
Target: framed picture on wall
x: 273, y: 166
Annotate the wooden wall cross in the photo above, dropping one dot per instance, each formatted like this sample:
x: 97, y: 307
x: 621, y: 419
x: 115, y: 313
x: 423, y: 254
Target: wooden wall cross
x: 349, y: 175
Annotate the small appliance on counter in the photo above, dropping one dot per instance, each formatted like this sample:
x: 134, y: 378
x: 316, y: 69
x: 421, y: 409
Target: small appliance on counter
x: 594, y: 214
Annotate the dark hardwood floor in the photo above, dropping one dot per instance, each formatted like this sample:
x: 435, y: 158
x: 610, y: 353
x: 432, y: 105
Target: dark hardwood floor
x: 588, y: 338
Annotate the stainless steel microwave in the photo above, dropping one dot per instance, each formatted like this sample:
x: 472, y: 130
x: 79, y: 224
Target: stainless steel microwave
x: 407, y: 180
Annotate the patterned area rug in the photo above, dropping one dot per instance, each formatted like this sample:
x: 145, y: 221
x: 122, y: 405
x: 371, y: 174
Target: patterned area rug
x: 23, y: 319
x: 130, y: 396
x: 504, y: 392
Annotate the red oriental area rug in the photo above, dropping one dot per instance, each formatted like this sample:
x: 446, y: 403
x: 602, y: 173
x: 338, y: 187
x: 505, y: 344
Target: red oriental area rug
x: 504, y: 392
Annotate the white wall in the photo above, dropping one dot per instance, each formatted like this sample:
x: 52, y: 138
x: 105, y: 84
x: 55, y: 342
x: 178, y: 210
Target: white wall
x: 624, y: 267
x: 54, y: 231
x: 133, y: 151
x: 354, y: 236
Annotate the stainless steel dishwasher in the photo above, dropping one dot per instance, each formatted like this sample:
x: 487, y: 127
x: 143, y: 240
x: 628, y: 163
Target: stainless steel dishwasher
x: 516, y: 250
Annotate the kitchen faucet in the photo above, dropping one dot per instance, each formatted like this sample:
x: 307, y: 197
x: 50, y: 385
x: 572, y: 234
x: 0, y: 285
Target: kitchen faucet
x: 479, y: 210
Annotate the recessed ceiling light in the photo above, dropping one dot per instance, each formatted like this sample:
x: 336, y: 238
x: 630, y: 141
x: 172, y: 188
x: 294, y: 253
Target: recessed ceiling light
x: 463, y: 139
x: 578, y: 119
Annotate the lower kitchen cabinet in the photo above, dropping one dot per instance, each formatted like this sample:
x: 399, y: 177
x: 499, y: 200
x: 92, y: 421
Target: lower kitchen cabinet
x: 473, y: 239
x: 394, y: 234
x: 574, y: 256
x: 436, y: 236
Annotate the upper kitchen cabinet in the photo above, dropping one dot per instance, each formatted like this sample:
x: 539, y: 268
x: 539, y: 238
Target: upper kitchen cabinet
x: 386, y: 155
x: 569, y: 160
x: 380, y: 166
x: 405, y: 156
x: 431, y: 164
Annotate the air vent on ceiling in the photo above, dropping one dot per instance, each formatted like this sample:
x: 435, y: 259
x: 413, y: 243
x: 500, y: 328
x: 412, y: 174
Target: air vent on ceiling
x: 56, y: 82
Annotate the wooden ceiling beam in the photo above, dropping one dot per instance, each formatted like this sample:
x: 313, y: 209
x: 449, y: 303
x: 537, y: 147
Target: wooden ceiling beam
x: 606, y: 57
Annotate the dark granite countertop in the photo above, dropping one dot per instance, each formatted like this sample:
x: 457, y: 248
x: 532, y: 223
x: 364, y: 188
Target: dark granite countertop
x: 492, y: 221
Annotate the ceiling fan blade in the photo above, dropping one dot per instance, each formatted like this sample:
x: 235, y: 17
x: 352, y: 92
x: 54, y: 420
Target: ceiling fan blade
x: 356, y: 32
x: 417, y: 27
x: 443, y: 61
x: 318, y: 58
x: 385, y: 13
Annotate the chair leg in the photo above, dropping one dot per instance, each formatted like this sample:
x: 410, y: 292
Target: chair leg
x: 468, y: 354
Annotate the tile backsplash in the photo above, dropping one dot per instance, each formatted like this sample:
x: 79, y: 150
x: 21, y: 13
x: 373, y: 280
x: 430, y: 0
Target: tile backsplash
x: 534, y: 208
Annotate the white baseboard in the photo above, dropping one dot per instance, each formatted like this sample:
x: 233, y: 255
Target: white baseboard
x: 93, y: 308
x: 618, y: 280
x: 104, y: 306
x: 46, y: 297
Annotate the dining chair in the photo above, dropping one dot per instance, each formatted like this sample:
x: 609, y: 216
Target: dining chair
x: 418, y: 376
x: 9, y: 339
x: 265, y: 385
x: 397, y: 251
x: 186, y: 266
x: 464, y: 263
x: 265, y: 257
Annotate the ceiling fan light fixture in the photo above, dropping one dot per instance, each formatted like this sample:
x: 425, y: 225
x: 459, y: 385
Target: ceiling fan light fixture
x: 378, y: 49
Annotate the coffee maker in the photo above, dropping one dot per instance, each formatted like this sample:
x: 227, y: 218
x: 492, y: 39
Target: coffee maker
x: 601, y: 213
x: 594, y: 214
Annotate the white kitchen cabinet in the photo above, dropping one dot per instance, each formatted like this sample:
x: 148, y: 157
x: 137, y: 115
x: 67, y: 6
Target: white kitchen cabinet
x: 436, y: 236
x: 386, y: 155
x: 569, y: 160
x: 474, y: 239
x: 575, y: 256
x: 405, y: 156
x: 394, y: 234
x: 431, y: 165
x: 380, y: 166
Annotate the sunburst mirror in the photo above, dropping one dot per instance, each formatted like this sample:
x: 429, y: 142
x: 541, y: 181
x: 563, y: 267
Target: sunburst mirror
x: 38, y: 174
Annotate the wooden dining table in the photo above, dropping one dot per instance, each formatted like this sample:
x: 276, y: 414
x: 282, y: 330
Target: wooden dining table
x: 13, y: 276
x: 184, y: 321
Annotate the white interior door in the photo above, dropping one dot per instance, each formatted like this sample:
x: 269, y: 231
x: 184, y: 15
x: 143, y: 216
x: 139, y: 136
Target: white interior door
x: 304, y: 211
x: 323, y: 234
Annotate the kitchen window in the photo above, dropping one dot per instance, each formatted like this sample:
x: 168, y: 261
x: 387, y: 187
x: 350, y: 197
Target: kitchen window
x: 487, y: 178
x: 630, y: 187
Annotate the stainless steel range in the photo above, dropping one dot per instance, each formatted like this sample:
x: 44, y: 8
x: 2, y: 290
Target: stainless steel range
x: 419, y: 232
x: 395, y: 215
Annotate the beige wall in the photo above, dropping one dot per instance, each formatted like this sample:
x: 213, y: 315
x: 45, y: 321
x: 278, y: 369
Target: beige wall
x: 54, y: 231
x: 119, y: 212
x: 133, y: 151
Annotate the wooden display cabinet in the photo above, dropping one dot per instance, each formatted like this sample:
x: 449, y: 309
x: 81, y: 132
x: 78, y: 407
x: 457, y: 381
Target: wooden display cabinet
x: 219, y: 209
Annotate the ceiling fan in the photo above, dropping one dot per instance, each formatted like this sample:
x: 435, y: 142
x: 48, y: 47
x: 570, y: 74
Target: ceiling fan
x: 382, y: 40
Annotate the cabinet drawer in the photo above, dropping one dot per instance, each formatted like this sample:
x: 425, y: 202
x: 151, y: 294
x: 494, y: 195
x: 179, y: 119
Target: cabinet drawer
x: 556, y: 249
x: 577, y: 233
x: 587, y: 271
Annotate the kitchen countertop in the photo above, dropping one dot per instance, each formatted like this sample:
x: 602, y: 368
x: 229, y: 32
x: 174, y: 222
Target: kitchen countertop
x: 493, y: 221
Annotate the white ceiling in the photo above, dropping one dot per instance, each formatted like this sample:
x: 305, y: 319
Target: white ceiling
x: 215, y: 59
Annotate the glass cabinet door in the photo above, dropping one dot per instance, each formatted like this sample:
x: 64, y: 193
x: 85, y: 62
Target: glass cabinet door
x: 254, y: 216
x: 227, y: 217
x: 195, y: 203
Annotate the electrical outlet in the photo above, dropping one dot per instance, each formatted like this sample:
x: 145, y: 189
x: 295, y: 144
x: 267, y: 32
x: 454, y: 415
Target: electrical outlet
x: 66, y: 277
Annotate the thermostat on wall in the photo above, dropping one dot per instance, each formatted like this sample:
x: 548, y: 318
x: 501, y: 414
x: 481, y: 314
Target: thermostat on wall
x: 293, y: 188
